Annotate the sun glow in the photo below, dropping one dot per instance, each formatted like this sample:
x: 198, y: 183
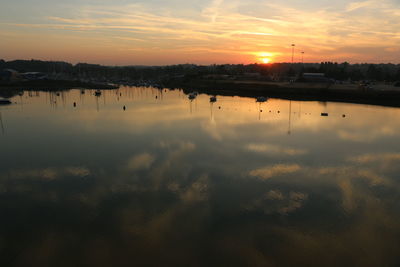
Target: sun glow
x: 264, y: 57
x: 265, y: 60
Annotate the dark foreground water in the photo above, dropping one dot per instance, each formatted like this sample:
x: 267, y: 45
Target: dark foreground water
x: 169, y: 182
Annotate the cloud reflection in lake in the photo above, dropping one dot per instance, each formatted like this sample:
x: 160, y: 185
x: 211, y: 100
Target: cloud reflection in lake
x: 160, y: 184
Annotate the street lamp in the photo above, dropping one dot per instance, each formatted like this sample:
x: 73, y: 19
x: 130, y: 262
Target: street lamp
x: 302, y: 57
x: 293, y: 45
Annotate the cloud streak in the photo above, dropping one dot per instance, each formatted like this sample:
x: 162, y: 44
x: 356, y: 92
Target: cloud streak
x: 245, y: 28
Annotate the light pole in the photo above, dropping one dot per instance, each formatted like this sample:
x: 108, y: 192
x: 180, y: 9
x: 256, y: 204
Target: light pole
x: 293, y: 45
x: 290, y: 118
x: 302, y: 57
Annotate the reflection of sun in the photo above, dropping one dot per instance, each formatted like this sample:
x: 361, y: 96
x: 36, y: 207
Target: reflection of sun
x: 265, y: 60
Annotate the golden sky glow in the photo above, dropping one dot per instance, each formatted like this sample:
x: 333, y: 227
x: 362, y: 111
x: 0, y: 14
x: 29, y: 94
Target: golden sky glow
x: 159, y: 32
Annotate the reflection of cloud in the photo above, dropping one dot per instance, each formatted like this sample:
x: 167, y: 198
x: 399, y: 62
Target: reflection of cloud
x: 348, y: 173
x: 271, y: 171
x: 78, y: 171
x: 274, y: 195
x: 197, y: 191
x: 348, y: 202
x: 371, y: 158
x: 348, y: 178
x: 49, y: 173
x: 361, y: 135
x: 384, y: 162
x: 139, y: 162
x: 181, y: 145
x: 274, y: 149
x: 296, y: 201
x: 277, y: 202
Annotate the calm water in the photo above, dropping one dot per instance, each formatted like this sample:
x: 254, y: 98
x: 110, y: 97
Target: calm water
x: 169, y: 182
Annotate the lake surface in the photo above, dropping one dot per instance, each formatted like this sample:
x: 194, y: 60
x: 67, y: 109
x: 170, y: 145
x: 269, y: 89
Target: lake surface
x: 170, y: 182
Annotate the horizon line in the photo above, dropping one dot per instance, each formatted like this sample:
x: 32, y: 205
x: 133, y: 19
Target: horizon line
x: 197, y: 64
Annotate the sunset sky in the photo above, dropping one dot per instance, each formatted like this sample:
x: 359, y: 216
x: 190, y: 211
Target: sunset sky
x: 160, y: 32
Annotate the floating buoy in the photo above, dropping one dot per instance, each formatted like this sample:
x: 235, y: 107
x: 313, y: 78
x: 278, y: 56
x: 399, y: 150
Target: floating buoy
x: 74, y: 104
x: 344, y: 115
x: 192, y: 96
x: 261, y: 99
x: 124, y: 108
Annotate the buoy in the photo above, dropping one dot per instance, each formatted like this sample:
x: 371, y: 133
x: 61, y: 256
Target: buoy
x: 324, y: 114
x: 219, y: 107
x: 344, y: 115
x: 74, y: 104
x: 124, y: 108
x: 261, y: 99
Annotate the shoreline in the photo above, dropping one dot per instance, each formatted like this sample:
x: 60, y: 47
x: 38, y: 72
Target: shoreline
x: 378, y: 95
x: 9, y: 90
x: 55, y: 85
x: 381, y: 95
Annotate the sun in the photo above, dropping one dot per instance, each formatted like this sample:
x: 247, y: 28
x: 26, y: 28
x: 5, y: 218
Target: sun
x: 264, y: 57
x: 265, y: 60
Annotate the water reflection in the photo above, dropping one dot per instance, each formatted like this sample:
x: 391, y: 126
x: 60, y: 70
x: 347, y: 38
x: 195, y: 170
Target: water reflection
x: 158, y: 184
x: 1, y: 123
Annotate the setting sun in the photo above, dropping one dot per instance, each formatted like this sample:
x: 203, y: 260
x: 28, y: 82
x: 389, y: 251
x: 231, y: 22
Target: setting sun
x: 265, y: 60
x: 264, y: 57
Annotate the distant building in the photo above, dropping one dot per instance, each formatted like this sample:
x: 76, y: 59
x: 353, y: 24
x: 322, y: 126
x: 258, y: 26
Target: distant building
x: 217, y: 77
x: 31, y: 76
x: 252, y: 75
x: 314, y: 78
x: 5, y: 75
x: 8, y: 75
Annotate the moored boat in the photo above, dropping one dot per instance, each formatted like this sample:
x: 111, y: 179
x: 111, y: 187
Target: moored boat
x: 5, y: 102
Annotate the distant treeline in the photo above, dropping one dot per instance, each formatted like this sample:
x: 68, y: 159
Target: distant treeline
x: 338, y: 71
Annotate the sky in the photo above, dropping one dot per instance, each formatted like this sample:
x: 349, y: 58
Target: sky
x: 162, y: 32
